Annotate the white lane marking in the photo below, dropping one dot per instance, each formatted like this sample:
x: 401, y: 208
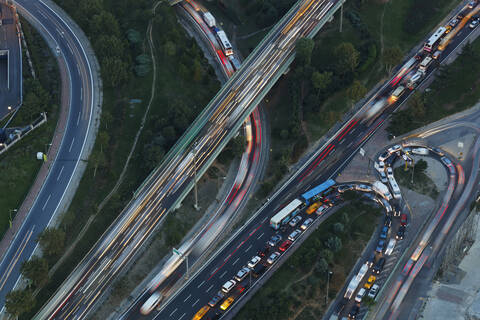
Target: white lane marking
x: 193, y: 305
x: 46, y: 202
x: 201, y: 284
x: 264, y: 219
x: 187, y: 298
x: 61, y: 170
x: 248, y: 248
x: 71, y: 50
x: 258, y: 238
x: 78, y: 119
x: 183, y: 315
x: 235, y: 262
x: 81, y: 92
x: 71, y: 145
x: 343, y: 140
x: 223, y: 274
x: 210, y: 288
x: 173, y: 312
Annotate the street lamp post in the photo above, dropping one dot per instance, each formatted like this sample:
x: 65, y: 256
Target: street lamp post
x: 329, y: 274
x: 413, y: 170
x: 195, y: 176
x: 10, y: 220
x: 47, y: 145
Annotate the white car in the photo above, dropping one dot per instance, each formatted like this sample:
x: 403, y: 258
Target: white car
x: 373, y: 291
x: 321, y: 210
x: 395, y: 148
x: 389, y: 172
x: 253, y: 262
x: 295, y: 221
x: 227, y: 286
x: 242, y: 274
x: 273, y: 257
x: 390, y: 247
x: 383, y: 177
x: 360, y: 295
x: 294, y: 235
x: 383, y: 156
x: 380, y: 166
x: 306, y: 224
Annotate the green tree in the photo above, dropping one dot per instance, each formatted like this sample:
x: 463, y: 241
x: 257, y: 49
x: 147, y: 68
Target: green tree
x: 52, y: 241
x: 346, y: 58
x: 36, y: 270
x: 420, y: 166
x: 327, y: 255
x: 356, y: 91
x: 338, y: 228
x: 19, y: 302
x: 114, y: 71
x: 391, y: 57
x: 334, y: 243
x: 304, y: 48
x: 321, y: 266
x: 321, y: 80
x: 417, y: 105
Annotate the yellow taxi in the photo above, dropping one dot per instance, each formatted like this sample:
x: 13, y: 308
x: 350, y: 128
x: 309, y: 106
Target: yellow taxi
x: 370, y: 282
x: 313, y: 207
x: 227, y: 303
x: 199, y: 315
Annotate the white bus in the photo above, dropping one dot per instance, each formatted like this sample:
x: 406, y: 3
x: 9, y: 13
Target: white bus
x: 424, y: 64
x: 395, y: 188
x: 286, y: 214
x: 226, y: 46
x: 433, y: 40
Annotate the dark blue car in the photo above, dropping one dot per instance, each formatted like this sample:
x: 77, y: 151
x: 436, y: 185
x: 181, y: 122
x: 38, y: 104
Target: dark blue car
x: 383, y: 234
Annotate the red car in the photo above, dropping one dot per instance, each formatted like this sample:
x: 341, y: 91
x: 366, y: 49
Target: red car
x: 403, y: 219
x: 285, y: 245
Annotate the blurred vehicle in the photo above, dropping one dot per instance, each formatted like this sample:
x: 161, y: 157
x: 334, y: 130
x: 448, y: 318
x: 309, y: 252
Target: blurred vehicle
x: 321, y: 210
x: 384, y: 232
x: 380, y: 245
x: 213, y: 302
x: 400, y: 233
x: 311, y: 209
x: 379, y: 266
x: 371, y: 261
x: 403, y: 219
x: 263, y: 252
x: 352, y: 314
x: 363, y: 187
x: 387, y: 221
x: 258, y: 270
x: 151, y: 303
x: 474, y: 23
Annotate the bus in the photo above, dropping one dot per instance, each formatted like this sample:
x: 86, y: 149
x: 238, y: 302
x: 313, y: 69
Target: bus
x: 313, y: 194
x: 434, y: 39
x: 395, y: 188
x: 286, y: 214
x: 226, y: 46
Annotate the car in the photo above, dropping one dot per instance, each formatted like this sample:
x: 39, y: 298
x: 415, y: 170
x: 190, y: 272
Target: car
x: 389, y: 172
x: 380, y: 166
x: 387, y: 221
x: 258, y: 270
x: 386, y: 205
x: 383, y: 156
x: 274, y: 240
x: 227, y: 286
x: 453, y: 23
x: 384, y: 232
x: 311, y: 209
x: 390, y: 246
x: 379, y: 266
x: 263, y: 252
x: 227, y: 303
x: 389, y: 162
x: 403, y: 219
x: 295, y: 221
x: 213, y: 302
x: 394, y: 148
x: 473, y: 24
x: 242, y: 274
x: 380, y: 245
x: 471, y: 4
x: 253, y: 262
x: 306, y: 223
x: 397, y: 212
x: 448, y: 28
x: 321, y: 210
x: 363, y: 187
x: 445, y: 161
x: 407, y: 149
x: 57, y: 49
x: 273, y: 257
x: 285, y: 245
x: 352, y: 314
x: 400, y: 233
x: 371, y: 261
x: 360, y: 294
x: 199, y: 315
x: 294, y: 235
x: 373, y: 291
x: 383, y: 176
x: 344, y: 187
x: 370, y: 282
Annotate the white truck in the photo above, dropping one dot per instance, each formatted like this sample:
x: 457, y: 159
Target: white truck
x: 420, y: 151
x: 362, y: 272
x: 382, y: 190
x: 209, y: 19
x: 352, y: 286
x: 424, y: 64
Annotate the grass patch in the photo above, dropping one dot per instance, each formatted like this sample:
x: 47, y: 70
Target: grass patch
x: 421, y: 182
x: 297, y: 289
x: 19, y: 165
